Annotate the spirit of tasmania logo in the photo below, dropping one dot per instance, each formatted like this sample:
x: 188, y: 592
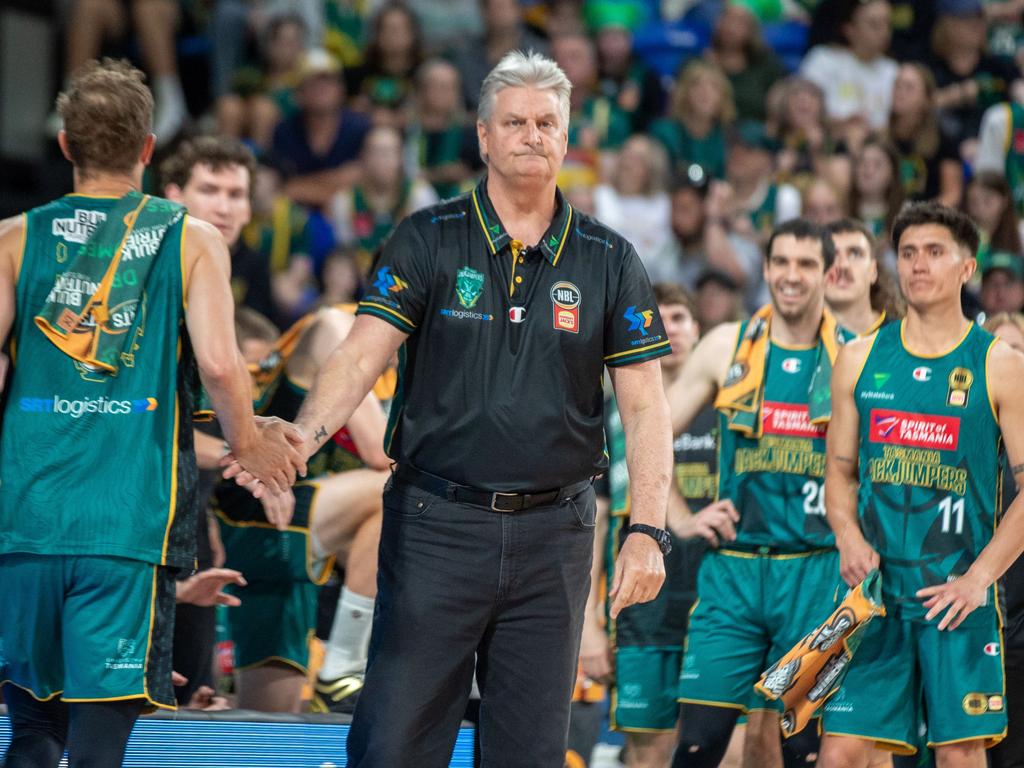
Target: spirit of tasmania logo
x: 916, y: 430
x: 790, y: 419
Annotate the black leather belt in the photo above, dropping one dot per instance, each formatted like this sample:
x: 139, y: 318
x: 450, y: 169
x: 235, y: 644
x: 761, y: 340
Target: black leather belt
x: 495, y: 500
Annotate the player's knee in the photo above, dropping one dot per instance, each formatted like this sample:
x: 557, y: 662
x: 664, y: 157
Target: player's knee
x: 966, y: 754
x: 801, y: 750
x: 843, y: 752
x: 704, y: 736
x: 649, y: 750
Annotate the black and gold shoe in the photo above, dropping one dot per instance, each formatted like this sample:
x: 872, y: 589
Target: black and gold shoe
x: 338, y: 695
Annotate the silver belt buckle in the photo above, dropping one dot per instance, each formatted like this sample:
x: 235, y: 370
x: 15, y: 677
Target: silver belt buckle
x: 494, y: 501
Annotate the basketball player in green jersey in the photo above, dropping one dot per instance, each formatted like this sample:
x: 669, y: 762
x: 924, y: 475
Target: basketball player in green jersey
x: 97, y: 471
x: 286, y: 557
x: 913, y: 481
x: 858, y: 289
x: 648, y: 638
x: 783, y: 548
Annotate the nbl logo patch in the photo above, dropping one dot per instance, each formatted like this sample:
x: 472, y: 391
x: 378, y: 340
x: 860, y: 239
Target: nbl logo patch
x: 565, y: 307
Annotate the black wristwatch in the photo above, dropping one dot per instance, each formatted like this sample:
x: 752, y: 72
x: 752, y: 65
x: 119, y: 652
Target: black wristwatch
x: 660, y: 535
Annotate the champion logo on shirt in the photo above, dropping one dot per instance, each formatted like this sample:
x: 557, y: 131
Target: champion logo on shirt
x: 791, y: 365
x: 517, y: 314
x: 922, y: 373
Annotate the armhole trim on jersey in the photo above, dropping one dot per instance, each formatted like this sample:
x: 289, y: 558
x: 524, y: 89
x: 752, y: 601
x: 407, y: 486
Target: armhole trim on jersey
x: 184, y: 265
x: 172, y: 506
x: 863, y: 365
x: 20, y: 252
x: 988, y: 384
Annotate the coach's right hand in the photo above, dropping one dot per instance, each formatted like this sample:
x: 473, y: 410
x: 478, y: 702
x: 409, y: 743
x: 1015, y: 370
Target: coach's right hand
x: 639, y: 573
x: 856, y: 557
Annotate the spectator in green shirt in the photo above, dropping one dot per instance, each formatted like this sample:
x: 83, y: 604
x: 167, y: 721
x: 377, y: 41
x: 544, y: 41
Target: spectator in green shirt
x: 701, y: 107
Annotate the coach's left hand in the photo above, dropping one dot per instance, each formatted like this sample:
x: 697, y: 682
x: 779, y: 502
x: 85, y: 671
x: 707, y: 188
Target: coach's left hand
x: 961, y: 595
x: 639, y: 572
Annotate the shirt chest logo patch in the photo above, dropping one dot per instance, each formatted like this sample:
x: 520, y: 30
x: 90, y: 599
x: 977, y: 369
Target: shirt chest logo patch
x: 468, y: 286
x: 960, y: 381
x: 922, y: 373
x: 565, y: 306
x: 517, y: 314
x: 791, y: 365
x: 915, y: 430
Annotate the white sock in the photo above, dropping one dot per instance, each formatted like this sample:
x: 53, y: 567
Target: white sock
x: 349, y: 642
x: 171, y: 110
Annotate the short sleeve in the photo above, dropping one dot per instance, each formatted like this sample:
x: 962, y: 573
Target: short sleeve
x: 400, y: 280
x: 633, y: 329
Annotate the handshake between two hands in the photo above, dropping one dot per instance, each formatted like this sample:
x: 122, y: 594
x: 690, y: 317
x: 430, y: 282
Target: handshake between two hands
x: 268, y: 466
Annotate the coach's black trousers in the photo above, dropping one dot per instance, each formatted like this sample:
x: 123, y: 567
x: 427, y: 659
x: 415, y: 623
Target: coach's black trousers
x: 459, y: 584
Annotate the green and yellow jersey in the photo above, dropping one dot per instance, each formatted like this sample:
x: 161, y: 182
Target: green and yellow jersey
x: 96, y: 464
x: 776, y: 480
x: 929, y: 462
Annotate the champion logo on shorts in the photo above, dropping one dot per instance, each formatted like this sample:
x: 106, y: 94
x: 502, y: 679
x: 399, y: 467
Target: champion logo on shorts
x: 992, y: 649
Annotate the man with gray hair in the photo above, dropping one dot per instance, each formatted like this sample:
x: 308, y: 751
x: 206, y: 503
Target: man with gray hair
x: 504, y: 305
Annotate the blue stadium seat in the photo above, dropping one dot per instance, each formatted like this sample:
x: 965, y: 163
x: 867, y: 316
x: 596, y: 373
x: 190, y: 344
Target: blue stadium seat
x: 666, y: 47
x: 789, y: 41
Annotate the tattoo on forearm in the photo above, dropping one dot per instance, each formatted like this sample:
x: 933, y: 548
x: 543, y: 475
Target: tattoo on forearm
x: 1016, y: 469
x: 321, y: 434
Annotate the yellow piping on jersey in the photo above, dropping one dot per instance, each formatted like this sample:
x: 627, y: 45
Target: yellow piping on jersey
x: 863, y: 364
x: 381, y: 307
x: 30, y: 692
x: 483, y: 226
x: 564, y: 235
x: 988, y: 386
x: 172, y: 507
x: 21, y: 249
x: 951, y: 350
x: 659, y: 345
x: 184, y: 265
x: 890, y: 745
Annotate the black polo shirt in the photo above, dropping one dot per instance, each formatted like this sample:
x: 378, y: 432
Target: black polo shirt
x: 500, y: 380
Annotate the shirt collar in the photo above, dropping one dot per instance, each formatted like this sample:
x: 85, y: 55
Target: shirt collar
x: 554, y: 240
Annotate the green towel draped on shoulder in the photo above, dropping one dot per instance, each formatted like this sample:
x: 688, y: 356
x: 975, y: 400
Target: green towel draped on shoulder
x: 97, y: 334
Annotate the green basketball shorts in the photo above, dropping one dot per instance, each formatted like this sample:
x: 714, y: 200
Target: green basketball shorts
x: 957, y: 674
x: 751, y: 609
x: 87, y: 628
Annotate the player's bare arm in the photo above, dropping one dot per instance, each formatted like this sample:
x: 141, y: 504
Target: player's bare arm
x: 856, y: 557
x: 345, y: 377
x: 367, y: 423
x: 702, y: 375
x: 640, y: 567
x: 12, y: 235
x: 1005, y: 371
x: 264, y: 450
